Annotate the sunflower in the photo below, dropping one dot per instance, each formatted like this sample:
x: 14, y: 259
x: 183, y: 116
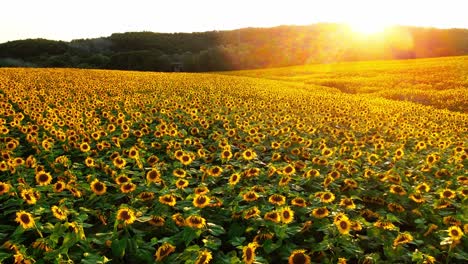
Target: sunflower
x: 431, y: 159
x: 289, y: 170
x: 43, y: 178
x: 195, y: 221
x: 119, y: 162
x: 153, y: 176
x: 262, y: 237
x: 178, y: 219
x: 234, y: 179
x: 186, y: 159
x: 98, y: 187
x: 25, y: 219
x: 327, y: 197
x: 299, y: 256
x: 347, y: 203
x: 226, y: 155
x: 252, y: 212
x: 215, y: 171
x: 399, y: 153
x: 248, y: 253
x: 402, y: 238
x: 455, y: 233
x: 342, y: 261
x: 126, y: 215
x: 201, y: 190
x: 89, y: 162
x: 373, y: 159
x: 168, y: 199
x: 84, y: 147
x: 29, y: 196
x: 276, y: 156
x: 249, y: 154
x: 201, y: 201
x: 204, y: 257
x: 277, y: 199
x: 397, y: 189
x: 178, y: 153
x: 122, y: 179
x: 417, y: 197
x: 284, y: 181
x: 423, y: 187
x: 250, y: 196
x: 133, y: 153
x: 273, y: 216
x: 4, y: 188
x: 59, y: 213
x: 146, y: 196
x: 299, y: 202
x: 343, y: 225
x: 163, y: 251
x: 127, y: 187
x: 430, y: 229
x: 152, y: 160
x: 157, y: 221
x: 327, y: 181
x: 181, y: 183
x: 350, y: 183
x: 356, y: 226
x: 287, y: 215
x: 320, y: 212
x: 339, y: 216
x: 180, y: 173
x: 447, y: 194
x: 311, y: 173
x: 394, y: 207
x: 327, y: 152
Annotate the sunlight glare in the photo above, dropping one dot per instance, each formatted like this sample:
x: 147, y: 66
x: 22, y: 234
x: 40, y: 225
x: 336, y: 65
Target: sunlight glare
x: 368, y: 27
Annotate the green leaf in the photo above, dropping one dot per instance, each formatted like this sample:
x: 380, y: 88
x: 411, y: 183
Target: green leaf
x: 189, y: 234
x: 269, y: 246
x: 4, y: 256
x: 237, y: 241
x: 215, y: 230
x: 118, y: 247
x: 91, y: 258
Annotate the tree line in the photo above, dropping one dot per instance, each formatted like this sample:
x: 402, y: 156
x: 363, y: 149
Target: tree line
x: 246, y: 48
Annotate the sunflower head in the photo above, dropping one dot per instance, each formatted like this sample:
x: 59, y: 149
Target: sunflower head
x: 248, y: 253
x: 164, y: 250
x: 25, y: 219
x: 299, y: 256
x: 287, y: 215
x: 126, y: 215
x: 168, y: 199
x: 43, y: 178
x: 204, y: 257
x: 99, y: 188
x: 195, y: 221
x: 455, y: 233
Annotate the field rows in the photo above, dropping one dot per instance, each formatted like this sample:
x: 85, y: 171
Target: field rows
x: 131, y: 167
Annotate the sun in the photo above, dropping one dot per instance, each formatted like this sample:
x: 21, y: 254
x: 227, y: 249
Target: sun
x: 368, y: 27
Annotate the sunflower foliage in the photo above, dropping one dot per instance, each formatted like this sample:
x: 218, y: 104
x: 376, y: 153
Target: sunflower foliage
x: 127, y: 167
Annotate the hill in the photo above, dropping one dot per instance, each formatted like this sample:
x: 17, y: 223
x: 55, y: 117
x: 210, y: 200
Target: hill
x: 246, y: 48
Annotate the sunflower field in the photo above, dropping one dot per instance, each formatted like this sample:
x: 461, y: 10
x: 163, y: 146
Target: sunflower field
x: 130, y: 167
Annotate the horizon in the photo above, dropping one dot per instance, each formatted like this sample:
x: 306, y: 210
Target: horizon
x: 233, y: 29
x: 54, y: 20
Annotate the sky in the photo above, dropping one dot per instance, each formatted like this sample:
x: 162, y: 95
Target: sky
x: 67, y: 20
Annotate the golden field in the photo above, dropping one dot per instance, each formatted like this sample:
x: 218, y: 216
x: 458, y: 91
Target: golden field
x: 344, y: 163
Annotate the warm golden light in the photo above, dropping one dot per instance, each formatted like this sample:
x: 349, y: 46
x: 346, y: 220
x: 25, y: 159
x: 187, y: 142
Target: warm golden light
x: 368, y: 27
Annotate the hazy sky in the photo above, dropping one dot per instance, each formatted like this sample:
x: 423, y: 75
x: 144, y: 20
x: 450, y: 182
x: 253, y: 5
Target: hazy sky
x: 66, y: 20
